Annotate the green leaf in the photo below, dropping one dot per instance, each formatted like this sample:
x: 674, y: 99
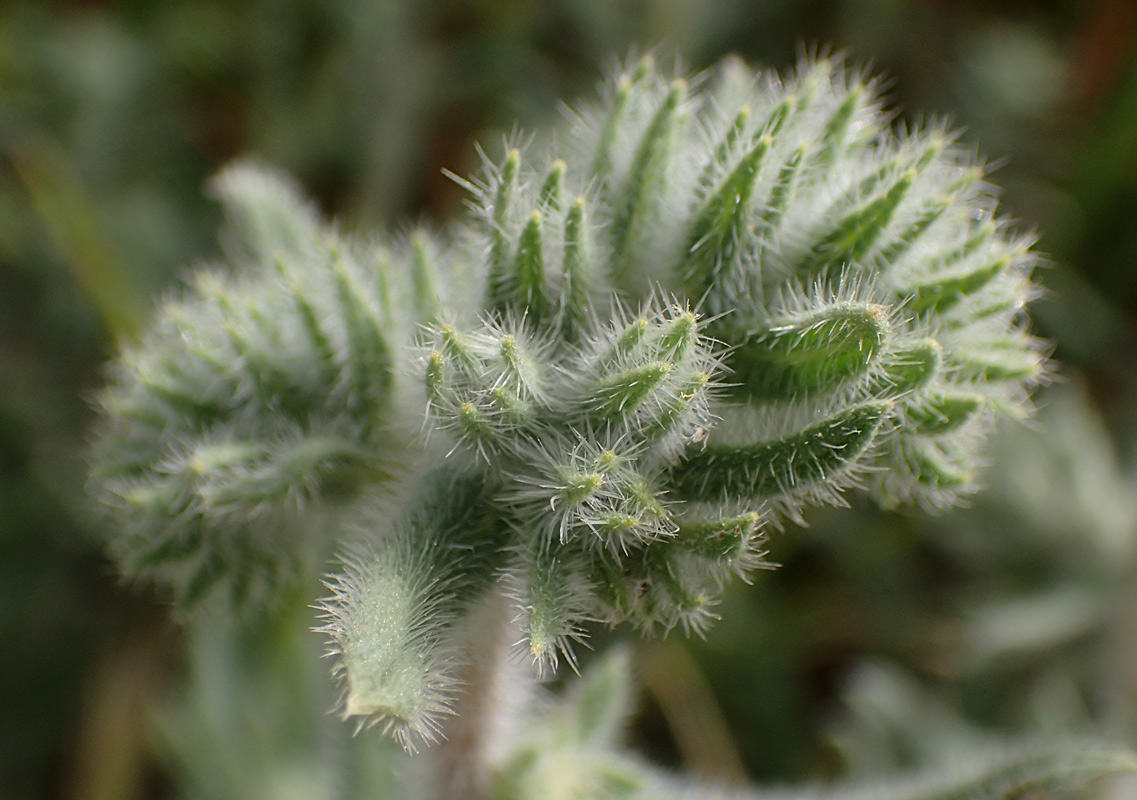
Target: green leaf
x: 722, y: 222
x: 933, y: 468
x: 677, y: 336
x: 554, y: 597
x: 576, y: 285
x: 996, y: 360
x: 624, y: 343
x: 854, y: 235
x: 521, y: 372
x: 392, y: 607
x: 904, y: 240
x: 810, y: 353
x: 725, y: 148
x: 369, y: 361
x: 636, y: 207
x: 602, y: 163
x: 787, y: 465
x: 783, y: 190
x: 982, y: 235
x: 321, y: 345
x: 497, y: 297
x: 835, y: 136
x: 553, y: 186
x: 435, y: 377
x: 620, y: 395
x: 459, y: 349
x: 723, y: 539
x: 425, y: 292
x: 674, y: 411
x: 943, y: 412
x: 266, y: 215
x: 944, y: 291
x: 673, y: 592
x: 999, y: 772
x: 906, y: 370
x: 1041, y: 770
x: 479, y: 430
x: 781, y: 114
x: 598, y: 705
x: 528, y: 295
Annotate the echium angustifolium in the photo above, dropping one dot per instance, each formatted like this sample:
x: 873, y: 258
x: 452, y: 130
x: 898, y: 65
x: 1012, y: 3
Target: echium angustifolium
x: 720, y: 301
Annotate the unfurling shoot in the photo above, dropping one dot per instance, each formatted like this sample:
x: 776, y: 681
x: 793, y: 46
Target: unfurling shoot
x: 720, y: 301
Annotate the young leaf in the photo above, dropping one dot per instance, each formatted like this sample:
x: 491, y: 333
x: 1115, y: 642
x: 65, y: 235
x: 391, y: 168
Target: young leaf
x: 810, y: 353
x: 784, y: 466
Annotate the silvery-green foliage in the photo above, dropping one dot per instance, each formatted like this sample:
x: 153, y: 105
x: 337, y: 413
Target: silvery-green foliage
x: 569, y: 748
x: 249, y: 722
x: 715, y: 302
x: 579, y: 441
x: 394, y: 607
x: 257, y: 403
x: 860, y: 276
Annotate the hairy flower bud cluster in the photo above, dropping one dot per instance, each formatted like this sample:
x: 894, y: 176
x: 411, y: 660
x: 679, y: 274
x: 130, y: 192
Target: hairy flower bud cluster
x: 579, y: 443
x: 253, y: 399
x: 720, y: 301
x: 853, y: 271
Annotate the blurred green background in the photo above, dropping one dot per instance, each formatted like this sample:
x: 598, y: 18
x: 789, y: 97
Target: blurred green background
x: 886, y: 639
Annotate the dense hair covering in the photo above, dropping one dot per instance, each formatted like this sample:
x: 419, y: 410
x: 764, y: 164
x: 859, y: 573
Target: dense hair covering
x: 716, y: 301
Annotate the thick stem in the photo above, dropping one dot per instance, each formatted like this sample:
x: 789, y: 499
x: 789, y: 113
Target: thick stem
x: 460, y: 767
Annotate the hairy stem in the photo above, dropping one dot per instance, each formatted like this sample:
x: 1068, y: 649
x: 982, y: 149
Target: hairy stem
x: 460, y: 767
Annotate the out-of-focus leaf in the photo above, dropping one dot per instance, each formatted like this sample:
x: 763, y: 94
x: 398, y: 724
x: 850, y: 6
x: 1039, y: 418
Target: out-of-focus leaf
x: 1033, y: 625
x: 1009, y: 772
x: 72, y: 220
